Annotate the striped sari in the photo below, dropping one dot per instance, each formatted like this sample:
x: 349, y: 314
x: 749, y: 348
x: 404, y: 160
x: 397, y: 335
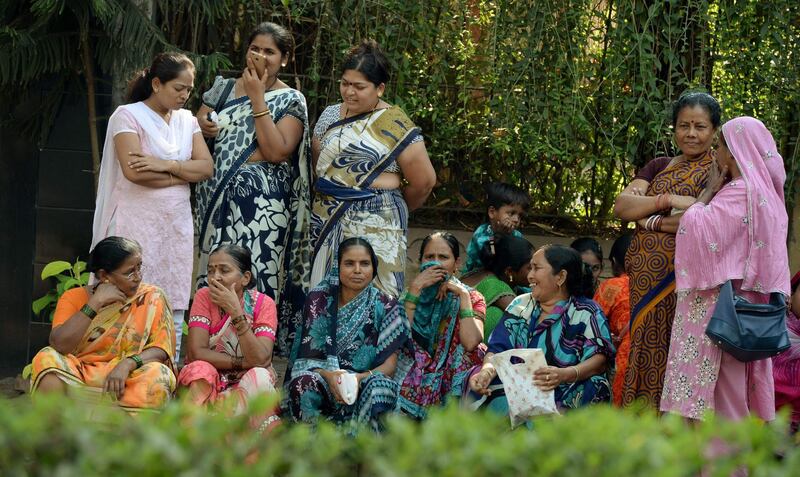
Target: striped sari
x: 117, y: 332
x: 649, y: 263
x: 354, y: 152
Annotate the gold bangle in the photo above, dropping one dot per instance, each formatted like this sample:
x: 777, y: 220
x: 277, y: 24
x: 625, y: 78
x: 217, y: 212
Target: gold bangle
x: 577, y: 375
x: 170, y: 178
x: 262, y: 113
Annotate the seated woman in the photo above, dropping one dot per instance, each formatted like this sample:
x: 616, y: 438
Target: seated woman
x: 231, y: 334
x: 350, y: 327
x: 446, y: 326
x: 507, y: 262
x: 116, y: 336
x: 559, y: 318
x: 614, y: 297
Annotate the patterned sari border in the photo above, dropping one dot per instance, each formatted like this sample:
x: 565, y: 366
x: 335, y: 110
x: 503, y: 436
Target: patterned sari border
x: 664, y: 288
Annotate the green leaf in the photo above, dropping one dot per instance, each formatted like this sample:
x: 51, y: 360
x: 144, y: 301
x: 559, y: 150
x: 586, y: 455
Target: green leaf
x: 71, y: 283
x: 54, y: 268
x: 41, y: 303
x: 84, y: 278
x: 78, y: 268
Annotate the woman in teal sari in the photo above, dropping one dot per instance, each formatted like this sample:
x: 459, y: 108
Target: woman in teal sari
x: 259, y: 196
x: 364, y: 150
x: 352, y: 328
x: 446, y: 328
x: 559, y: 318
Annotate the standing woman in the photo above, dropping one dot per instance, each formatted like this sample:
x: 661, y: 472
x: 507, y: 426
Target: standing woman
x: 259, y: 196
x: 654, y: 199
x: 153, y: 150
x: 737, y: 233
x: 364, y: 150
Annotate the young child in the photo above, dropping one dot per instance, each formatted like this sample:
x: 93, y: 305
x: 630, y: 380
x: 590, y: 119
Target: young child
x: 506, y: 206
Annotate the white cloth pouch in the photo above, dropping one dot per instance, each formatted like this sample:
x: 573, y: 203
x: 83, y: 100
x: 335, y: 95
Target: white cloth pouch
x: 525, y: 399
x: 348, y: 387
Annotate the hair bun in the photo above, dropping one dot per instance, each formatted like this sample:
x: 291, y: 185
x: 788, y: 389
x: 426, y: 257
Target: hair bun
x: 367, y: 46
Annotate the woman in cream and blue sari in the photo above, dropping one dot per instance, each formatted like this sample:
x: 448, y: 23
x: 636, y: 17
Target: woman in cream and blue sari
x: 350, y: 327
x: 364, y: 149
x: 259, y: 196
x: 560, y: 318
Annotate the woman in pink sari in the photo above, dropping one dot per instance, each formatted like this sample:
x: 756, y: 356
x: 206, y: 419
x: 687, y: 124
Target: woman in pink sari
x: 737, y: 234
x: 231, y: 336
x: 786, y: 366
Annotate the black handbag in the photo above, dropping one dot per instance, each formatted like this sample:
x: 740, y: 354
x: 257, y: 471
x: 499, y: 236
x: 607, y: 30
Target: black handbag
x: 749, y: 331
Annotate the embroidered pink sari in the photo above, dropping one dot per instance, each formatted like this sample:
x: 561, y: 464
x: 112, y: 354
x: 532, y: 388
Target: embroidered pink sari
x: 741, y: 236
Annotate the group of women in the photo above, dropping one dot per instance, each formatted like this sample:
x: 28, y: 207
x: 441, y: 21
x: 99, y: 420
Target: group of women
x: 322, y: 281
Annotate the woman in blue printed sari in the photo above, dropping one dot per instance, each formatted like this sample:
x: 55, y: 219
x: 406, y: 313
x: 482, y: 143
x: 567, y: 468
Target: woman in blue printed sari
x: 364, y: 150
x: 350, y: 327
x: 559, y: 318
x: 259, y: 196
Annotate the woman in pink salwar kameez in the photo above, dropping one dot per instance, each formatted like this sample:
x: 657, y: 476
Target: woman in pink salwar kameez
x: 738, y: 234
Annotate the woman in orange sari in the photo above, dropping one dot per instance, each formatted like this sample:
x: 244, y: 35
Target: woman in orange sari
x: 613, y: 296
x: 655, y: 200
x: 116, y: 336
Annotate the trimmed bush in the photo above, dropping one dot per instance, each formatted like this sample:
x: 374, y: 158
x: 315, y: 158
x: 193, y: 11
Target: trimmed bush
x: 57, y: 437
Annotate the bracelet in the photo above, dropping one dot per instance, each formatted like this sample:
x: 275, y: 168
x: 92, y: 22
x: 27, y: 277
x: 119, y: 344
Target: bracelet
x: 466, y: 314
x: 88, y: 311
x: 170, y: 178
x: 577, y: 375
x: 137, y: 359
x: 261, y: 113
x: 370, y: 372
x: 660, y: 201
x: 242, y: 333
x: 409, y: 297
x: 237, y: 319
x: 657, y: 223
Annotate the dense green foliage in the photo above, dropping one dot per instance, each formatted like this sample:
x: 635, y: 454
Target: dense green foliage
x: 563, y: 97
x: 56, y: 438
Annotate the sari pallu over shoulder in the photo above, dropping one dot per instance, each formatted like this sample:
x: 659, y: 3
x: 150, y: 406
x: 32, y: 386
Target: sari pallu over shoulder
x: 117, y: 332
x: 355, y: 151
x: 263, y: 206
x: 650, y: 266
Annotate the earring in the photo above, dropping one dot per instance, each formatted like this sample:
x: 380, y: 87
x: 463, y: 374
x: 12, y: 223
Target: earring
x: 283, y: 64
x: 510, y: 278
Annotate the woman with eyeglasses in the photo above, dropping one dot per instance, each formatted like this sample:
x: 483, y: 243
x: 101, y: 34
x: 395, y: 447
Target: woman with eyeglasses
x: 116, y: 336
x: 372, y: 169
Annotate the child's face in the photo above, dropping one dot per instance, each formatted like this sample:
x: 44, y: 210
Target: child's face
x: 507, y: 218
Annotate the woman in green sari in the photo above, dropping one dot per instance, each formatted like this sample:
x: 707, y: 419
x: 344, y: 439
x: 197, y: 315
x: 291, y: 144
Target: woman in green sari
x: 507, y: 262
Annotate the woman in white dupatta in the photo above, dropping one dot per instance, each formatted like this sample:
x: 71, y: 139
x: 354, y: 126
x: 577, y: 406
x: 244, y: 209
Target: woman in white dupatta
x: 153, y: 150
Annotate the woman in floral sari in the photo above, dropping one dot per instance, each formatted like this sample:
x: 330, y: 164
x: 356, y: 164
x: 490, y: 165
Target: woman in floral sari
x: 446, y: 326
x: 259, y: 196
x: 350, y: 327
x: 116, y: 336
x: 558, y: 317
x: 231, y: 336
x: 654, y: 199
x: 737, y: 233
x: 361, y: 148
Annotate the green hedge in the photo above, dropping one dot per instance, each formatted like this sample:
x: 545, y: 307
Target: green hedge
x: 54, y: 438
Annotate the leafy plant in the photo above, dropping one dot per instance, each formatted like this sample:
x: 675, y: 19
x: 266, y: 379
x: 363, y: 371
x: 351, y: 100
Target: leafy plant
x: 67, y: 276
x: 54, y: 436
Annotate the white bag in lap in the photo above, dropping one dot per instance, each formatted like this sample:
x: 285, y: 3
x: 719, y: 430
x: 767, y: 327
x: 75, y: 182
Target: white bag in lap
x: 525, y: 399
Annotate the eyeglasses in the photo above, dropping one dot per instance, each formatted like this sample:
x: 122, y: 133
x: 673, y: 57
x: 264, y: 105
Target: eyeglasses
x: 138, y: 271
